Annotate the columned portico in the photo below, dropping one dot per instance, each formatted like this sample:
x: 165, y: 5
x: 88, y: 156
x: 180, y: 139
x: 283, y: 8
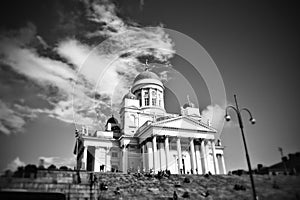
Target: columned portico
x: 202, y: 157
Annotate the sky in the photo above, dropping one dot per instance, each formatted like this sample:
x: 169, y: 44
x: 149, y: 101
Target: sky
x: 56, y: 70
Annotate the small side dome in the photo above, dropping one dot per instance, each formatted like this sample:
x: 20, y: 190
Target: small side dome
x: 129, y: 95
x: 112, y: 120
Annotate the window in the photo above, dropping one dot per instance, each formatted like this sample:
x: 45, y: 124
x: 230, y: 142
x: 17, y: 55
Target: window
x: 114, y: 154
x: 154, y: 102
x: 146, y: 97
x: 159, y: 100
x: 146, y: 101
x: 139, y: 98
x: 154, y: 94
x: 146, y: 94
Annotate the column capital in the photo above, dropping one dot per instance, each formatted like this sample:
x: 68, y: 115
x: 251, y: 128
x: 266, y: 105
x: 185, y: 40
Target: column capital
x: 159, y: 138
x: 197, y: 141
x: 148, y: 139
x: 210, y: 141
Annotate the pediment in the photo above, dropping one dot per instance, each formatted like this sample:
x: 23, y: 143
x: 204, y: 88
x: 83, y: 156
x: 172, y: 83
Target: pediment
x: 183, y: 122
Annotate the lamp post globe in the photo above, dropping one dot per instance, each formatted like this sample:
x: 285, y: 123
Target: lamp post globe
x: 227, y: 117
x: 252, y: 120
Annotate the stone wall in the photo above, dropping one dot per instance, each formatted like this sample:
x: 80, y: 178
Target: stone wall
x: 66, y: 182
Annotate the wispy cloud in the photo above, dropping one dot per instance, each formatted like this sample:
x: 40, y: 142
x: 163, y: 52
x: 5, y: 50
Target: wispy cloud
x: 215, y: 114
x: 164, y: 76
x: 13, y: 118
x: 80, y: 80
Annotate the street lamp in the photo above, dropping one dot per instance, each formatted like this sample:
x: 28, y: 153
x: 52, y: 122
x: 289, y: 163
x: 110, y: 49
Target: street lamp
x: 252, y: 120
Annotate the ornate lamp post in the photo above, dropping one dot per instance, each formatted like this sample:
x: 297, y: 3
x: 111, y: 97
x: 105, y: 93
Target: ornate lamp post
x: 252, y: 120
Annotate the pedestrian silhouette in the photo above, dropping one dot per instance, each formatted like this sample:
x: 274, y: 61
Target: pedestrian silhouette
x: 175, y: 196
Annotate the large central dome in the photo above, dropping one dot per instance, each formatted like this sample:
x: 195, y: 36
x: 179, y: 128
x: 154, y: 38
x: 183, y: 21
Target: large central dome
x: 146, y: 78
x: 146, y: 75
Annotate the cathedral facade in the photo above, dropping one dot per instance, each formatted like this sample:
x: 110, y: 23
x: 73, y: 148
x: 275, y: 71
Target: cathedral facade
x: 147, y: 138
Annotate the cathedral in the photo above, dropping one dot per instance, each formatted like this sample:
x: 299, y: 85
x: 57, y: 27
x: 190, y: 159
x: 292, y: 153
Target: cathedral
x: 148, y: 139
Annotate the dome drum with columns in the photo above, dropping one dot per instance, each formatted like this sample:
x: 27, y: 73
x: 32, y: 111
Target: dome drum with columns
x: 150, y: 139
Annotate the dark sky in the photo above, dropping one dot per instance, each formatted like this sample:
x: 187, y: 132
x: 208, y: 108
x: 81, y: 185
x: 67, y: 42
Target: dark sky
x: 254, y: 44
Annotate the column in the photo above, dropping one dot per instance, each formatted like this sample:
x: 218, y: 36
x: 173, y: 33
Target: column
x: 124, y: 162
x: 154, y: 145
x: 108, y: 160
x: 193, y: 161
x: 143, y: 157
x: 198, y: 159
x: 85, y: 158
x: 167, y: 152
x: 179, y: 155
x: 162, y: 156
x: 216, y: 165
x: 97, y: 161
x: 150, y: 155
x: 223, y: 164
x: 203, y: 155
